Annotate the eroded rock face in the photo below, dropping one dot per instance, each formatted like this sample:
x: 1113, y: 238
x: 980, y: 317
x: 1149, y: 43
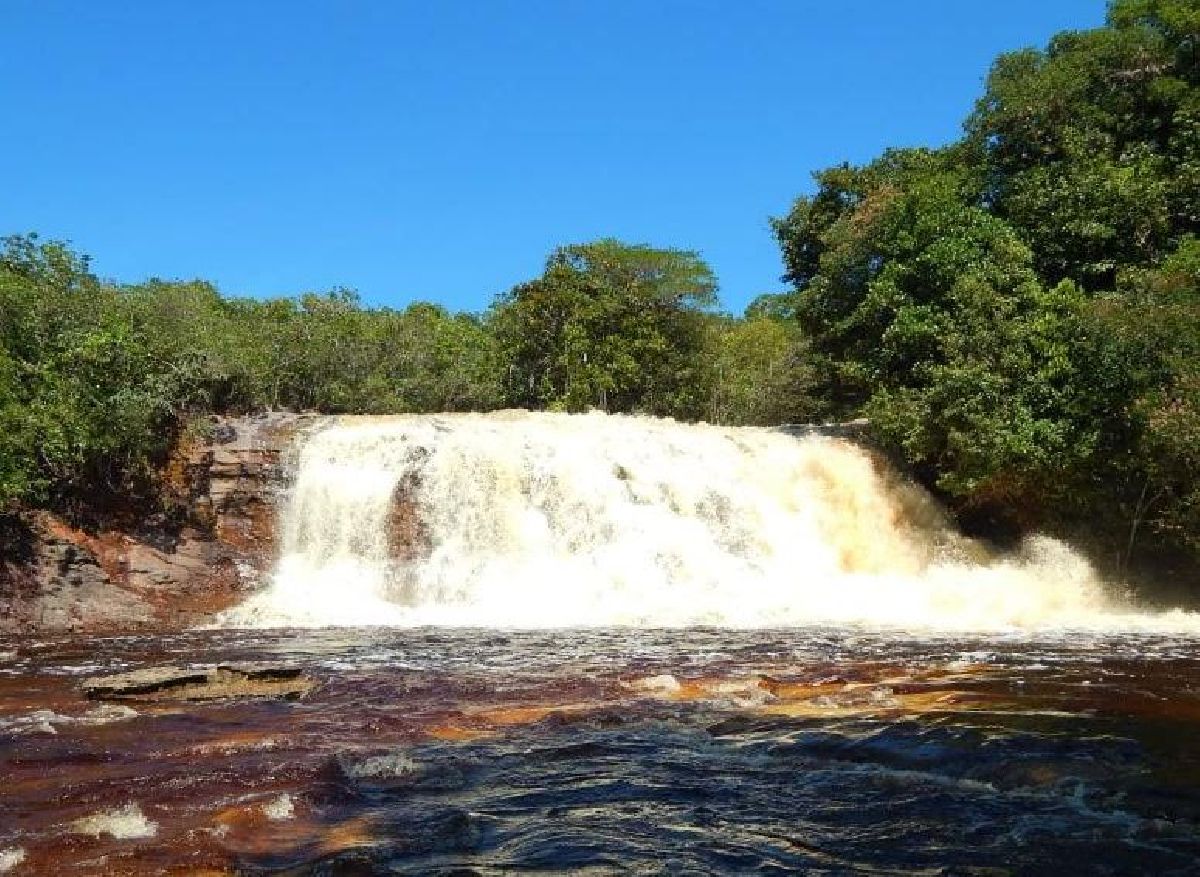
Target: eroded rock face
x: 225, y: 483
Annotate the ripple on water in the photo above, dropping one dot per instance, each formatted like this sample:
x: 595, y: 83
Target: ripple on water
x: 840, y: 751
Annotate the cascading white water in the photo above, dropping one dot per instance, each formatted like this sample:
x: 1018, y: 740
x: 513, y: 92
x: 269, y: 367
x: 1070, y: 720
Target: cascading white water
x: 517, y: 519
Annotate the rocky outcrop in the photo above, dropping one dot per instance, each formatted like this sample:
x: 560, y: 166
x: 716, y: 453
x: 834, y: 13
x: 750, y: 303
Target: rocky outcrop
x: 408, y: 535
x: 223, y: 682
x: 224, y: 483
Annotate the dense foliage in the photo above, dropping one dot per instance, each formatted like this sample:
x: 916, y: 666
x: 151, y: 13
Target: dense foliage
x: 1017, y: 313
x: 612, y: 326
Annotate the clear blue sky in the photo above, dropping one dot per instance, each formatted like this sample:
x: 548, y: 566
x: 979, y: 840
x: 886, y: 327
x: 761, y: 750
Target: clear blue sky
x: 440, y: 149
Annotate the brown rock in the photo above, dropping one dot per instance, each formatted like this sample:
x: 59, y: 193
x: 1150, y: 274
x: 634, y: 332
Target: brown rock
x: 408, y: 535
x: 224, y: 484
x: 223, y: 682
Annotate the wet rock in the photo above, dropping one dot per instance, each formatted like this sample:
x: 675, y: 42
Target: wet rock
x: 163, y: 574
x: 223, y: 682
x: 223, y: 432
x: 408, y: 535
x: 852, y: 430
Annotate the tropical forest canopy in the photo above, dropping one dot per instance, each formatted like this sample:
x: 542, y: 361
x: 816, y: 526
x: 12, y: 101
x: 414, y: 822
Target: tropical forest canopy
x: 1017, y: 313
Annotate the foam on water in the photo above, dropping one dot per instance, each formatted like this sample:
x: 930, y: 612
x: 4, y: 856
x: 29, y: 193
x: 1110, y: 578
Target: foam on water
x: 122, y: 823
x: 45, y: 721
x: 279, y: 809
x: 523, y: 520
x: 10, y: 857
x: 382, y: 766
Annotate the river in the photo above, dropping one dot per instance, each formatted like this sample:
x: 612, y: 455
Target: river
x: 425, y: 751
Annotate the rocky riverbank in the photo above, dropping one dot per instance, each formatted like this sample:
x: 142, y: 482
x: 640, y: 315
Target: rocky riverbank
x: 223, y: 480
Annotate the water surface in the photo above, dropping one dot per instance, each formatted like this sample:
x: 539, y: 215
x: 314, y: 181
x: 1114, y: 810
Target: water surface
x: 426, y: 751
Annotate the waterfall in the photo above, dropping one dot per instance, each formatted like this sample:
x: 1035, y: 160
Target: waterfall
x: 518, y: 519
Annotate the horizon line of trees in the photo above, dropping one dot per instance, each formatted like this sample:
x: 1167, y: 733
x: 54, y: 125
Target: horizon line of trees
x: 1016, y: 313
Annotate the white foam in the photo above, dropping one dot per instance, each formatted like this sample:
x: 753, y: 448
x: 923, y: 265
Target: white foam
x: 377, y: 766
x: 45, y: 721
x: 529, y: 520
x: 280, y: 808
x: 122, y: 823
x: 663, y: 684
x: 10, y: 857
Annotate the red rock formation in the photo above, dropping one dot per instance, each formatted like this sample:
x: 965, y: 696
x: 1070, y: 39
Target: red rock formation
x: 107, y: 581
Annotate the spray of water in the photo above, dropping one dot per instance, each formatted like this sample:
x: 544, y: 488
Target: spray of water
x: 518, y: 519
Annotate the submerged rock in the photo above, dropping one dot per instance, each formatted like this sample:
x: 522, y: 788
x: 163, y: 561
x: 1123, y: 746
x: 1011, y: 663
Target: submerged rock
x: 222, y: 682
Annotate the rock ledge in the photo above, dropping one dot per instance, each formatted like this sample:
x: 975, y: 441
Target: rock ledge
x: 223, y: 682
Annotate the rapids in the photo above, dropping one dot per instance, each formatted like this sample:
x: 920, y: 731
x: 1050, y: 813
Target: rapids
x: 524, y: 520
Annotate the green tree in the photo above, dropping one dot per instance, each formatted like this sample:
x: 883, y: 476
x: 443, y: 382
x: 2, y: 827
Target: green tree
x: 609, y: 325
x: 1016, y: 312
x: 930, y: 313
x: 1156, y: 483
x: 762, y: 372
x: 85, y: 404
x: 97, y: 380
x: 1091, y: 148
